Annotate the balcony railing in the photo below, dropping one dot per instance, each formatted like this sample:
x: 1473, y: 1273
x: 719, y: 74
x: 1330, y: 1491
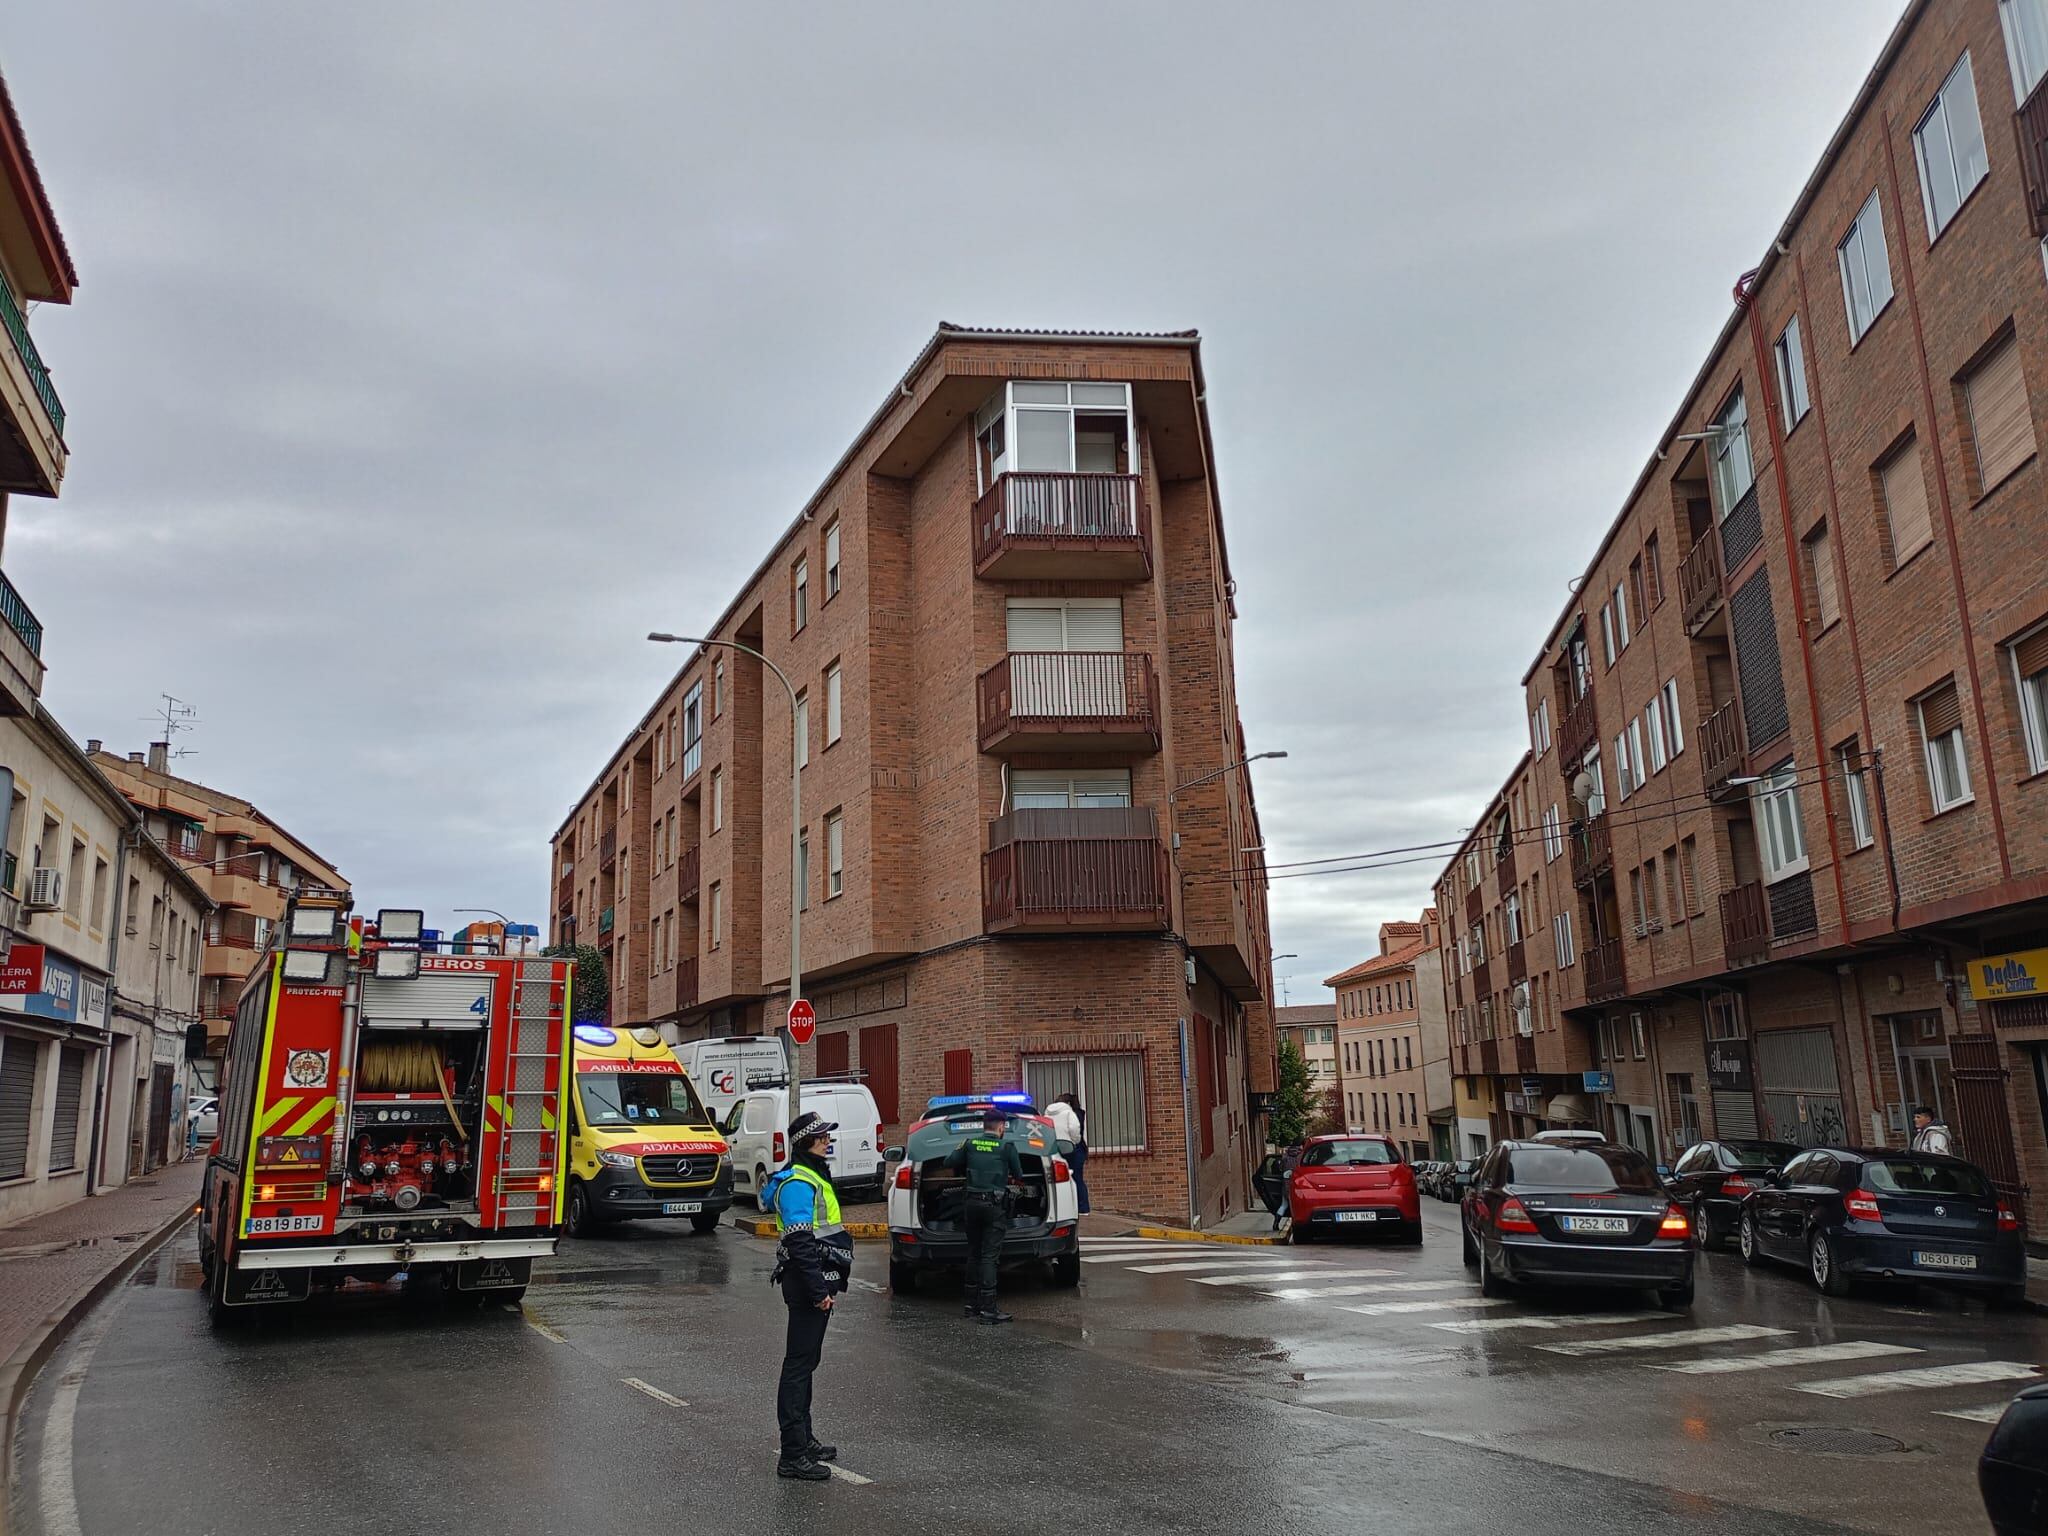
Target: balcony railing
x: 1606, y: 974
x: 1099, y: 868
x: 1033, y: 525
x: 1577, y: 730
x: 1721, y: 750
x: 607, y: 847
x: 1592, y: 850
x: 32, y: 360
x: 1034, y: 701
x: 686, y: 982
x: 1746, y: 923
x: 2031, y: 121
x: 1699, y: 582
x: 16, y: 614
x: 689, y: 873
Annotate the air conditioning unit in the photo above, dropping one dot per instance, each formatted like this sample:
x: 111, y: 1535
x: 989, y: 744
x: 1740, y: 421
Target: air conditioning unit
x: 45, y: 890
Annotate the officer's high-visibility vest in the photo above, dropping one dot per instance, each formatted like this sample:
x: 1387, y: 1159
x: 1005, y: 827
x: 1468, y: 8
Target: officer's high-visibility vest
x: 828, y: 1199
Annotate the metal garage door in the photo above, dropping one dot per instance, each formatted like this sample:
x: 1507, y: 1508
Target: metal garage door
x: 1735, y: 1114
x: 1802, y: 1091
x: 17, y: 1094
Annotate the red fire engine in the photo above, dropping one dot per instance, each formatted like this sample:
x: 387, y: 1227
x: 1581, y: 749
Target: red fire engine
x: 386, y: 1110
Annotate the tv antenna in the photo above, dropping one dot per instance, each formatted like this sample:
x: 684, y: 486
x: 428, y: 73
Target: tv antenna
x: 175, y: 716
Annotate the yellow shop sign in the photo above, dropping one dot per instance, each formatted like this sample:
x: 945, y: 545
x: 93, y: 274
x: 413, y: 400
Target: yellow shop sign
x: 2024, y: 974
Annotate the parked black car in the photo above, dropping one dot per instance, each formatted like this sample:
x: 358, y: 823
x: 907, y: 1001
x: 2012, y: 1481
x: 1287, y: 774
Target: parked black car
x: 1429, y: 1177
x: 2012, y: 1474
x: 1576, y: 1216
x: 1711, y: 1179
x: 1459, y: 1179
x: 1847, y: 1215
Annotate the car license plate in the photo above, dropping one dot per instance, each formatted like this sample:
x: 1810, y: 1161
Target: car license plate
x: 1357, y: 1216
x: 1945, y: 1260
x: 682, y: 1208
x: 260, y: 1226
x: 1610, y: 1224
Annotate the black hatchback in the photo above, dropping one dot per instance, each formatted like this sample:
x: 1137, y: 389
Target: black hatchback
x: 1711, y: 1179
x: 1591, y: 1215
x: 1845, y: 1215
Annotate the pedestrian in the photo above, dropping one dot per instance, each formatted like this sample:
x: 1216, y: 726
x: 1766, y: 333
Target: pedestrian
x: 813, y: 1265
x: 988, y: 1162
x: 1070, y: 1130
x: 1290, y: 1159
x: 1930, y: 1134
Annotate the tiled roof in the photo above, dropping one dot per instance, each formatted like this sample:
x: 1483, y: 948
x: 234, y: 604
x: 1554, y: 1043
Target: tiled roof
x: 1397, y: 960
x: 1305, y: 1013
x: 948, y: 328
x: 42, y: 209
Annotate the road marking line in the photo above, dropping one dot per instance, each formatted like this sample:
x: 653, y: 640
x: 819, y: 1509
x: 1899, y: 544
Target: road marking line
x: 1262, y: 1278
x: 1312, y: 1292
x: 869, y: 1285
x: 1159, y: 1248
x: 1190, y: 1265
x: 1382, y: 1308
x: 1122, y: 1256
x: 1967, y: 1373
x: 1770, y: 1359
x: 58, y: 1490
x: 544, y: 1330
x: 1538, y: 1320
x: 1990, y: 1413
x: 1666, y: 1339
x: 654, y: 1392
x: 848, y: 1477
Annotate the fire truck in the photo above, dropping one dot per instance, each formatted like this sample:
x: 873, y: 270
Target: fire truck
x: 388, y: 1111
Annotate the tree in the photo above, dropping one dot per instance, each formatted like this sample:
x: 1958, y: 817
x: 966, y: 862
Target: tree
x: 1294, y: 1097
x: 590, y: 986
x: 1329, y: 1117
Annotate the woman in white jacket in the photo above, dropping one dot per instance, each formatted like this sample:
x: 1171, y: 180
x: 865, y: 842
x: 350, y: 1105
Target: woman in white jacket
x: 1069, y: 1123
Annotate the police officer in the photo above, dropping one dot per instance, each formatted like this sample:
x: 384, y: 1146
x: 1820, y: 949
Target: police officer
x: 989, y: 1162
x: 813, y: 1265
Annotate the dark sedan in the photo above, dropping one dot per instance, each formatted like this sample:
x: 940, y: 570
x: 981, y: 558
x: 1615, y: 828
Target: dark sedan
x: 1845, y: 1215
x: 1711, y: 1179
x: 2013, y: 1472
x: 1576, y: 1216
x: 1457, y: 1179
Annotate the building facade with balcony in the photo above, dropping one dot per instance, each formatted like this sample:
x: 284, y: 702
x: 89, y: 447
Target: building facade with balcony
x: 1792, y: 733
x: 1393, y: 1047
x: 1024, y: 848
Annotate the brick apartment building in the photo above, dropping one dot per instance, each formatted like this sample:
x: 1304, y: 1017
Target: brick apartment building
x: 1030, y: 853
x: 1777, y: 858
x: 1393, y: 1048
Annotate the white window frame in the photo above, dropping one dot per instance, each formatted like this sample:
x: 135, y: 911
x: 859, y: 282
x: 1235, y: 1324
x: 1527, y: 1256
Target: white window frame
x: 834, y: 704
x: 1945, y: 159
x: 1853, y: 257
x: 1673, y: 727
x: 1731, y: 433
x: 1654, y: 714
x: 2027, y: 55
x: 1621, y: 613
x: 1635, y: 747
x: 718, y: 799
x: 1943, y: 796
x: 1789, y: 352
x: 1856, y: 792
x: 832, y: 560
x: 717, y: 915
x: 803, y: 727
x: 1624, y: 770
x: 1561, y: 935
x: 1005, y: 404
x: 801, y: 593
x: 2033, y: 705
x: 1512, y: 908
x: 1607, y: 648
x: 693, y: 728
x: 1780, y: 835
x: 835, y: 855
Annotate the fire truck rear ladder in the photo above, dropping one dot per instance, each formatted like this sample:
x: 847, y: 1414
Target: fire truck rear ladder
x: 526, y: 1142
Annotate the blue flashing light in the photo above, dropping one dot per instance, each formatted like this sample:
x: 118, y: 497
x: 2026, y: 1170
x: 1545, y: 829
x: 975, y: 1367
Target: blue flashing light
x: 1021, y: 1100
x: 596, y: 1034
x: 947, y: 1101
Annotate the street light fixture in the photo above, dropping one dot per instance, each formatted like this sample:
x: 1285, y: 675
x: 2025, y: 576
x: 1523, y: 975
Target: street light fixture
x: 796, y: 822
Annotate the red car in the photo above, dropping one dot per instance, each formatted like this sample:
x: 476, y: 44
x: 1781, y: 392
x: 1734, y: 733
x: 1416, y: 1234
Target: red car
x: 1353, y: 1184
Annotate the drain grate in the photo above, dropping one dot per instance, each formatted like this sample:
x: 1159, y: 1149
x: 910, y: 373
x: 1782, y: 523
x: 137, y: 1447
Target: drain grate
x: 1827, y: 1440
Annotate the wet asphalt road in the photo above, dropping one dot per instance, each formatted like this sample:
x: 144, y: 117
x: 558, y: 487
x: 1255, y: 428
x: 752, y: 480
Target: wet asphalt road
x: 636, y: 1387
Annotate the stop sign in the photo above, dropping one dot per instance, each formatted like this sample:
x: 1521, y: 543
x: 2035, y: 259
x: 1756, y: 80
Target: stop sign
x: 803, y: 1021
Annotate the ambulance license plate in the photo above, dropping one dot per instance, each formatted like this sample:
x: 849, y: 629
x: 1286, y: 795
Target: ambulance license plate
x: 682, y: 1208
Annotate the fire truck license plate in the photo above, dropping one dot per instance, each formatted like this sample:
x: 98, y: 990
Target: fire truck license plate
x: 258, y: 1225
x: 682, y: 1208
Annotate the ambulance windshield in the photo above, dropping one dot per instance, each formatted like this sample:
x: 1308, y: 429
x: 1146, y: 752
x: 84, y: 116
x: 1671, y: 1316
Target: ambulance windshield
x: 618, y: 1099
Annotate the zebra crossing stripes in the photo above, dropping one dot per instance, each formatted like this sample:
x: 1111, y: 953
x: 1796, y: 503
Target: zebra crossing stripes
x: 1963, y: 1373
x: 1990, y: 1413
x: 1776, y: 1359
x: 1538, y: 1320
x: 1387, y: 1308
x: 1318, y: 1292
x: 1133, y: 1255
x: 1186, y: 1266
x: 1262, y: 1278
x: 1665, y: 1339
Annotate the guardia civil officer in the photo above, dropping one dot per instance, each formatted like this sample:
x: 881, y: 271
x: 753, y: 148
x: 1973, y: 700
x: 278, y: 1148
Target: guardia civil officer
x: 989, y: 1162
x: 813, y: 1265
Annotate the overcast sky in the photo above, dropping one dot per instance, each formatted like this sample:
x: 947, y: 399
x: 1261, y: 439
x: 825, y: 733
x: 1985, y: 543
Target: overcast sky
x: 425, y: 357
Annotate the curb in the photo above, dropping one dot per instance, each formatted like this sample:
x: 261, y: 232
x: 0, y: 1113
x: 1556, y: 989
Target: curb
x: 1190, y: 1235
x: 764, y: 1226
x: 18, y: 1374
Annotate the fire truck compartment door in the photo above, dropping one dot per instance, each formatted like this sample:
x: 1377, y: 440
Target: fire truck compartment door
x: 435, y: 1000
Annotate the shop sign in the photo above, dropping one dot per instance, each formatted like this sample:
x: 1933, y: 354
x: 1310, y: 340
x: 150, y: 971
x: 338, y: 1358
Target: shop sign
x: 1598, y: 1082
x: 58, y: 997
x: 1728, y: 1064
x: 2021, y: 974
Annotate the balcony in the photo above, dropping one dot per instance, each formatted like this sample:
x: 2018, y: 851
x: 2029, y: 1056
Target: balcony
x: 21, y: 652
x: 1746, y: 923
x: 1579, y: 728
x: 32, y: 452
x: 689, y: 873
x: 1721, y: 749
x: 1592, y: 850
x: 608, y: 848
x: 604, y: 923
x: 1035, y: 526
x: 2032, y: 122
x: 1518, y: 963
x: 230, y: 955
x: 1699, y: 584
x: 686, y: 982
x: 1054, y: 871
x: 1069, y: 701
x: 1606, y: 974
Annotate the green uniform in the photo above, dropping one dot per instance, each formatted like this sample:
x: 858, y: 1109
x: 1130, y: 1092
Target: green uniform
x: 988, y: 1162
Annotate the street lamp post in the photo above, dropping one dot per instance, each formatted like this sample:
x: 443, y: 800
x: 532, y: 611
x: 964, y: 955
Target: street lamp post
x: 796, y: 822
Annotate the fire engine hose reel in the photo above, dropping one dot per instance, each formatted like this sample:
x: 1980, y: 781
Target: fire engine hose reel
x: 408, y: 1066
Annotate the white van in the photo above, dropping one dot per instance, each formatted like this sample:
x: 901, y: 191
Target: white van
x: 720, y: 1068
x: 757, y: 1125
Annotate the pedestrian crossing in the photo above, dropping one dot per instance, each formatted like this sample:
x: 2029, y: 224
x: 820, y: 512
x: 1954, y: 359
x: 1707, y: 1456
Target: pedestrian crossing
x: 1449, y: 1304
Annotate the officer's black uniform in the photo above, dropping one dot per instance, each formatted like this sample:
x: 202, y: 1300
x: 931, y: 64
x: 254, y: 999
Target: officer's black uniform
x: 989, y: 1162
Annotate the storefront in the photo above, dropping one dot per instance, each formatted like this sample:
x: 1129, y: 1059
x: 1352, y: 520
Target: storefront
x: 2000, y: 1080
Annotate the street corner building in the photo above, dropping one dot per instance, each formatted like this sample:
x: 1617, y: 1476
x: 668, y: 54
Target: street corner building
x: 1030, y: 850
x: 1393, y: 1041
x: 1776, y: 861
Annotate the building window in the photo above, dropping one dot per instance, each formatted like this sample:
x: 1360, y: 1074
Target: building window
x: 1607, y: 647
x: 1941, y: 734
x: 832, y: 561
x: 1866, y: 270
x: 1539, y: 727
x: 1790, y: 355
x: 1820, y: 576
x: 2030, y: 674
x: 1561, y: 935
x: 1624, y: 769
x: 693, y: 729
x: 1636, y: 904
x: 660, y: 749
x: 803, y: 870
x: 1674, y: 910
x: 1734, y: 473
x: 835, y: 855
x: 832, y: 704
x: 1110, y: 1085
x: 1635, y: 1032
x: 1908, y: 523
x: 1039, y: 427
x: 654, y: 944
x: 799, y: 594
x: 1553, y: 834
x: 803, y: 727
x: 1653, y: 569
x: 1635, y: 747
x: 100, y: 880
x: 1781, y: 840
x: 1621, y: 615
x: 1654, y: 716
x: 1856, y: 793
x: 1674, y: 729
x: 718, y: 688
x: 1689, y: 875
x: 1994, y: 402
x: 2026, y: 44
x: 1058, y: 789
x: 1513, y: 909
x: 717, y: 915
x: 1949, y: 144
x: 718, y: 799
x: 1639, y: 602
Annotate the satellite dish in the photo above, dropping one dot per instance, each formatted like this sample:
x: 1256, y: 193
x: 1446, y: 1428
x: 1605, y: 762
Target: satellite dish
x: 1582, y: 787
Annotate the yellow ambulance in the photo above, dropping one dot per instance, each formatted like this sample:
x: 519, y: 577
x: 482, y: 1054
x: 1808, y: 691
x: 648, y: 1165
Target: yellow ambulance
x: 641, y: 1142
